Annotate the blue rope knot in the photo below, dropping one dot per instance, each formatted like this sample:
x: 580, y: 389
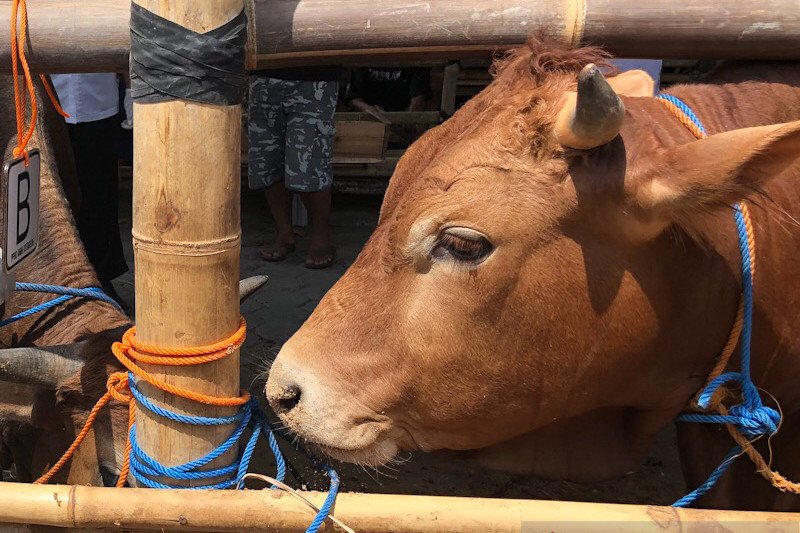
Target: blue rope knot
x: 751, y: 417
x: 756, y: 422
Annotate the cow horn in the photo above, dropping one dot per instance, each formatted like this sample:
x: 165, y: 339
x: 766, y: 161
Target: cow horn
x: 591, y: 117
x: 43, y: 367
x: 52, y: 365
x: 248, y: 286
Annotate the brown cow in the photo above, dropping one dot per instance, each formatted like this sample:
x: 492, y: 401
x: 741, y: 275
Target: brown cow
x: 46, y: 397
x: 552, y: 279
x: 61, y: 397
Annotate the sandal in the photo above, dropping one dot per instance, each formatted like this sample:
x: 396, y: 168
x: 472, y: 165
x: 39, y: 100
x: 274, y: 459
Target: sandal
x: 326, y: 255
x: 276, y: 252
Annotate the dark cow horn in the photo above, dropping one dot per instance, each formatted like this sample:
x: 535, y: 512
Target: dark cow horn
x: 591, y: 117
x: 248, y: 286
x: 44, y: 367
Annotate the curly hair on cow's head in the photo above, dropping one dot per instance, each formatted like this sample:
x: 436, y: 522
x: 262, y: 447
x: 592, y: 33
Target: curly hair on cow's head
x: 530, y: 80
x: 543, y: 56
x: 523, y: 98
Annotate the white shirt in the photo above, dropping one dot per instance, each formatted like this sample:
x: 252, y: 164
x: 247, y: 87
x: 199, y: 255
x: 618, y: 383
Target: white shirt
x: 87, y: 97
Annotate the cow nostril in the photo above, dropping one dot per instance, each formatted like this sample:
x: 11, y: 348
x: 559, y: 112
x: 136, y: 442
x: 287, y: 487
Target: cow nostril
x: 290, y: 399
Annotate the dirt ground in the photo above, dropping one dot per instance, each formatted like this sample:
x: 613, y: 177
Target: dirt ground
x: 292, y: 293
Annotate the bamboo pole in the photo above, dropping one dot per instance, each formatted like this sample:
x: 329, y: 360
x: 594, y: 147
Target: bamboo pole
x: 449, y: 86
x: 186, y: 236
x: 268, y: 510
x: 92, y: 35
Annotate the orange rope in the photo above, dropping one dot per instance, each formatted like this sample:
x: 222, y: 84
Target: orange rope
x: 131, y: 350
x: 53, y: 98
x: 18, y: 56
x: 19, y: 11
x: 736, y: 329
x: 717, y: 403
x: 684, y: 119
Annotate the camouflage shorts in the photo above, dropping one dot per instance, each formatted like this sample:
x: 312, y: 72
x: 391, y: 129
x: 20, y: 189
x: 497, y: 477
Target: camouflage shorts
x: 290, y: 126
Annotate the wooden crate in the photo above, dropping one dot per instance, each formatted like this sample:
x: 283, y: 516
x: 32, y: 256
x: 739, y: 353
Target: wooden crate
x: 359, y: 141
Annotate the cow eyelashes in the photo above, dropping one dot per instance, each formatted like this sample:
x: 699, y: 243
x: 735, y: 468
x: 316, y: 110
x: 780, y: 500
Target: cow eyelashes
x: 462, y: 245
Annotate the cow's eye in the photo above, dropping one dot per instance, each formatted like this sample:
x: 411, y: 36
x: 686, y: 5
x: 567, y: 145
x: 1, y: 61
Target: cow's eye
x: 463, y: 245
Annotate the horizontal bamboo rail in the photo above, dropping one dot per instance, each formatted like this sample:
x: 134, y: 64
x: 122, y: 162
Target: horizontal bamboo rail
x: 267, y: 510
x: 92, y: 35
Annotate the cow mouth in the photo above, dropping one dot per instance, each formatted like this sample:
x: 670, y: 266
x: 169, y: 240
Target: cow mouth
x: 351, y: 445
x: 329, y: 419
x: 378, y: 453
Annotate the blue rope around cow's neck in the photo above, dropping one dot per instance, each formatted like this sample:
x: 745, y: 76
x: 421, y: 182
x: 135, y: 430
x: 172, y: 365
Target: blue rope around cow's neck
x: 751, y: 417
x: 66, y: 294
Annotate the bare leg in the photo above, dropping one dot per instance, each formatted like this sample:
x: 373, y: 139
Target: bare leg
x: 320, y: 251
x: 279, y: 199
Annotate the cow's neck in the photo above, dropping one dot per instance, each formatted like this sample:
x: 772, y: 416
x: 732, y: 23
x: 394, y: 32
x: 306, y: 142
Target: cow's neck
x: 705, y: 282
x: 775, y: 212
x: 60, y: 258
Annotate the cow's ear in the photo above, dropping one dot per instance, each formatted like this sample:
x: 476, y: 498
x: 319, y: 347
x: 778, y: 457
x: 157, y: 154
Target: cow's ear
x: 633, y: 83
x: 718, y: 170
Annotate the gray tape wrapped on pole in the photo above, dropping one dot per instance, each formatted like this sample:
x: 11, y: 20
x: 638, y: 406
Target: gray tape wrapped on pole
x: 93, y: 35
x: 170, y: 62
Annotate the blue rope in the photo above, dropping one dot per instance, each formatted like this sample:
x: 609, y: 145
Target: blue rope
x: 142, y: 401
x: 67, y: 293
x: 680, y: 104
x: 325, y: 509
x: 143, y: 467
x: 333, y: 490
x: 689, y: 499
x: 751, y: 418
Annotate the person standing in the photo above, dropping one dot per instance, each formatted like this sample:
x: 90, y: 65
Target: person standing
x: 290, y: 128
x: 92, y: 101
x: 389, y: 89
x: 374, y: 90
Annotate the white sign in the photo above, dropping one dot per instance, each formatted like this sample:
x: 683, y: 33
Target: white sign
x: 22, y: 209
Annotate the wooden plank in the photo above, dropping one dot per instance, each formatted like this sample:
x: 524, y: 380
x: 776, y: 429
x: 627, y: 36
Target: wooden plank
x: 186, y: 237
x: 359, y: 140
x: 347, y: 161
x: 395, y: 117
x: 379, y: 169
x: 474, y: 74
x: 371, y: 186
x: 92, y: 35
x: 467, y: 90
x: 449, y: 82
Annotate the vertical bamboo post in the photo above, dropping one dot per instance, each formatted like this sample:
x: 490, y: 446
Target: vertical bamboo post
x: 186, y: 235
x: 449, y: 88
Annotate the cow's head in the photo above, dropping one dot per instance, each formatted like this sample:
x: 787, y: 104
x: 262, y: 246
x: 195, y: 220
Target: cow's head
x: 528, y: 275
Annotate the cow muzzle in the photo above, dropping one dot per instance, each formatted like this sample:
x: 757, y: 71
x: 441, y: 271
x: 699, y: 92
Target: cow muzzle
x: 318, y: 409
